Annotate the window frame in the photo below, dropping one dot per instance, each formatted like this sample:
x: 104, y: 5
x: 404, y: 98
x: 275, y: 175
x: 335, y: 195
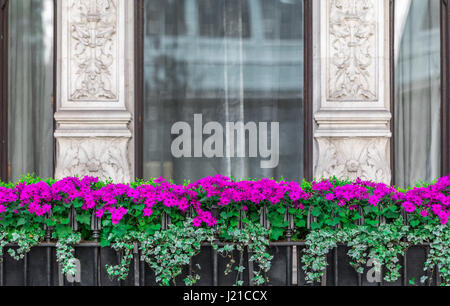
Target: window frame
x: 308, y: 89
x: 445, y: 85
x: 4, y: 66
x: 4, y: 89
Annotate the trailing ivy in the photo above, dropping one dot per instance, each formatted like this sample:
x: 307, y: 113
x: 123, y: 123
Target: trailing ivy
x: 438, y: 237
x: 65, y: 253
x: 253, y: 238
x: 3, y: 243
x: 384, y: 244
x: 318, y: 244
x: 169, y: 251
x: 25, y: 241
x: 125, y: 247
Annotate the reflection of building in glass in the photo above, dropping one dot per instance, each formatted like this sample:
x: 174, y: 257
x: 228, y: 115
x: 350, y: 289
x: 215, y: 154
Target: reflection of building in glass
x: 417, y: 91
x: 230, y: 61
x: 259, y: 41
x: 417, y: 40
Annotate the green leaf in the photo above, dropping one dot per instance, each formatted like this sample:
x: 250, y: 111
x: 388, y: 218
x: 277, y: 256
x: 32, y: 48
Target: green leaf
x: 315, y: 226
x: 357, y: 216
x: 21, y: 221
x: 316, y: 211
x: 104, y: 243
x: 300, y: 223
x: 276, y: 233
x: 84, y: 219
x: 334, y: 222
x: 50, y: 222
x: 62, y: 230
x: 414, y: 222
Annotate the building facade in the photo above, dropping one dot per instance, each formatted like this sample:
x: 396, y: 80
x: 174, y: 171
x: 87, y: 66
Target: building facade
x: 285, y: 89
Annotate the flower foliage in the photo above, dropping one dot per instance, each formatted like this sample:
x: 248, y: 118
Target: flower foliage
x: 36, y: 200
x: 374, y: 219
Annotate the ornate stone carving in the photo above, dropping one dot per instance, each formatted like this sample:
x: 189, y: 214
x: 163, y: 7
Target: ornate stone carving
x: 351, y: 158
x: 93, y: 50
x: 353, y: 50
x: 100, y: 157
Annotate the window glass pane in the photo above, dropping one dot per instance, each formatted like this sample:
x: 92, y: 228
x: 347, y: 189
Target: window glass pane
x: 417, y: 91
x: 281, y: 20
x: 223, y: 18
x: 229, y: 62
x: 166, y: 16
x: 30, y: 88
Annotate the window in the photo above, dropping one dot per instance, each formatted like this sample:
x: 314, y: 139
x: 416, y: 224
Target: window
x: 27, y: 77
x: 222, y: 18
x: 222, y: 89
x: 417, y: 91
x: 280, y: 19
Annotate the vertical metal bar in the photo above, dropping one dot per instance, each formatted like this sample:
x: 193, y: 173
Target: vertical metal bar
x: 49, y: 263
x: 289, y: 233
x: 289, y: 266
x: 438, y: 277
x: 381, y: 283
x: 215, y: 269
x: 96, y: 226
x: 429, y: 272
x: 359, y: 279
x: 405, y: 270
x: 25, y: 270
x: 323, y: 282
x: 241, y: 261
x: 48, y: 250
x: 1, y: 271
x: 74, y: 225
x: 60, y: 276
x: 264, y: 222
x: 299, y: 265
x: 336, y: 270
x: 136, y: 265
x: 250, y: 268
x: 190, y: 270
x: 96, y: 267
x: 142, y: 270
x: 240, y: 274
x: 73, y: 283
x: 215, y: 260
x: 119, y: 260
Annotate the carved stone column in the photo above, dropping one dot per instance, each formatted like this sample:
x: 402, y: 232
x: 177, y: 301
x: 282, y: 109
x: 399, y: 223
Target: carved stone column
x: 352, y: 104
x: 93, y: 117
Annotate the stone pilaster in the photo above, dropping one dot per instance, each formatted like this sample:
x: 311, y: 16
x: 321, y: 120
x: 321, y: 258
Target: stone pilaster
x: 352, y: 107
x: 93, y: 118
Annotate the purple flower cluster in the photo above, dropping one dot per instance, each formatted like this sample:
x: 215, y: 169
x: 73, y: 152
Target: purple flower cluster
x: 255, y: 192
x: 116, y: 200
x: 434, y: 199
x: 6, y: 196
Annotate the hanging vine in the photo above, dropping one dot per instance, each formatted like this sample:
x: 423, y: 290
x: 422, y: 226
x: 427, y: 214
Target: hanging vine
x: 65, y: 253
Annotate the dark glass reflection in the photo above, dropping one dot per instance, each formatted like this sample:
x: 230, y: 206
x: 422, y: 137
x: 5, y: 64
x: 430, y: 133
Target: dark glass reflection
x: 231, y: 61
x: 417, y: 91
x: 30, y: 88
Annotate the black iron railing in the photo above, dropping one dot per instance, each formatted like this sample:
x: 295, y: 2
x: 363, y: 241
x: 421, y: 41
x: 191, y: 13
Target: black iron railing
x: 39, y: 266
